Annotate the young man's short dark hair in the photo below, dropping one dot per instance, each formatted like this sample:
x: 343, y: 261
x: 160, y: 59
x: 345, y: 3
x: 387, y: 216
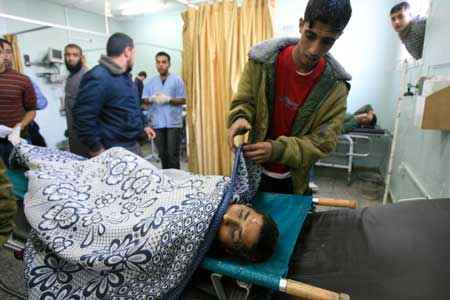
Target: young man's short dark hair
x: 335, y: 13
x: 6, y: 42
x: 74, y: 46
x: 264, y: 248
x: 261, y: 251
x: 374, y: 121
x: 142, y: 73
x: 162, y: 53
x: 399, y: 7
x: 117, y: 43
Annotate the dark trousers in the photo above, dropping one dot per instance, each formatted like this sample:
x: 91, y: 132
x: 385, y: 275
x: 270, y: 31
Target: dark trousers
x: 35, y: 136
x: 168, y: 144
x: 5, y: 150
x: 279, y: 186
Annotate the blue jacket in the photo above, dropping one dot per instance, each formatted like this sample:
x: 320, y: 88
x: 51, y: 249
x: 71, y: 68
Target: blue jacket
x: 107, y: 112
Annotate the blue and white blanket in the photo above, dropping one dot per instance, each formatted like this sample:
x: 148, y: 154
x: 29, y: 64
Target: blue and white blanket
x: 116, y: 227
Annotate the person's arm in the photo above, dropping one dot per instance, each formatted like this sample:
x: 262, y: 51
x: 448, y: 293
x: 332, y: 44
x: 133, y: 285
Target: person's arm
x: 27, y: 118
x: 243, y: 104
x: 147, y: 93
x: 243, y: 107
x: 87, y: 109
x: 302, y: 152
x: 363, y: 110
x: 29, y: 104
x: 8, y: 206
x: 350, y: 123
x: 180, y: 98
x: 41, y: 101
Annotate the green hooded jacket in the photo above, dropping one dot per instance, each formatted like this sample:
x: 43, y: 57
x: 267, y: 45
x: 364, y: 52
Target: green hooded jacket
x: 318, y: 121
x: 8, y: 206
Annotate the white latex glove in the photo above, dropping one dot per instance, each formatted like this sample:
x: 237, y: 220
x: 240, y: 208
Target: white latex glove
x: 161, y: 99
x: 152, y: 99
x: 5, y: 131
x: 14, y: 137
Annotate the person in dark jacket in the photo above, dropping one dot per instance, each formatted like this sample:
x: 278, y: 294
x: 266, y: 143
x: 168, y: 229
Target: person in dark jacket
x: 107, y: 110
x: 139, y: 81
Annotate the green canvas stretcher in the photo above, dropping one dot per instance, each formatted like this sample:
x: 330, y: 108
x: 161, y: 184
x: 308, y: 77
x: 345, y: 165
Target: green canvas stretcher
x: 289, y: 212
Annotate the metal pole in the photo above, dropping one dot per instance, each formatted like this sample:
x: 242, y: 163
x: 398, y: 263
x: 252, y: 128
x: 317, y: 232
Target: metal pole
x: 395, y: 137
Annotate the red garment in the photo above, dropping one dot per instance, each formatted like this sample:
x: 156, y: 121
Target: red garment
x: 17, y: 96
x: 292, y: 90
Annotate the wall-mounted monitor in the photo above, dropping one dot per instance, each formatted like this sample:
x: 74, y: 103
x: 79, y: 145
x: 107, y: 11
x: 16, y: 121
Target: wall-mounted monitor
x: 55, y: 56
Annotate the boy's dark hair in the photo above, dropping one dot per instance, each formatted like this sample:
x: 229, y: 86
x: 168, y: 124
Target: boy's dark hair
x: 399, y: 7
x: 6, y: 42
x: 117, y: 43
x: 262, y: 250
x: 335, y: 13
x: 162, y: 53
x: 142, y: 73
x: 374, y: 121
x: 73, y: 46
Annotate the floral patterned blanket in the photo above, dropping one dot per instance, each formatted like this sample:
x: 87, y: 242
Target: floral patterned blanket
x: 116, y: 227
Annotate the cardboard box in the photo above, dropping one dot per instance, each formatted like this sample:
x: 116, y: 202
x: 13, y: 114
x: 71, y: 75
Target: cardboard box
x: 436, y: 112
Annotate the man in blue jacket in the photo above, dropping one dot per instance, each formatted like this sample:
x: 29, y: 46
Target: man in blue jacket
x: 107, y: 111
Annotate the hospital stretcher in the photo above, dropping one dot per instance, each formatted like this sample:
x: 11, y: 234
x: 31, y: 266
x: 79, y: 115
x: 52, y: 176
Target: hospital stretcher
x: 343, y: 159
x: 270, y: 274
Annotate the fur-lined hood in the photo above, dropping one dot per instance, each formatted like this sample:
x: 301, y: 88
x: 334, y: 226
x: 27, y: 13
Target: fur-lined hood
x: 267, y: 52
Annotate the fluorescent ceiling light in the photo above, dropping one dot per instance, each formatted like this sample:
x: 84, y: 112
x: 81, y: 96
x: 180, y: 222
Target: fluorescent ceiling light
x: 142, y: 8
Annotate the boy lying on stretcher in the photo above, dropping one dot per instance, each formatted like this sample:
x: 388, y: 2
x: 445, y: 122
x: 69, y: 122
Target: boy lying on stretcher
x: 116, y: 227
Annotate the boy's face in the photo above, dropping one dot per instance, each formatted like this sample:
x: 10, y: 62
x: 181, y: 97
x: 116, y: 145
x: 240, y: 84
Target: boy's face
x: 315, y: 42
x: 2, y: 58
x: 400, y: 20
x: 8, y: 55
x: 241, y: 226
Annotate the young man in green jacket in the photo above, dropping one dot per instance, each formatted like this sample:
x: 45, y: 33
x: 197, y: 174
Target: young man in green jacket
x: 292, y: 99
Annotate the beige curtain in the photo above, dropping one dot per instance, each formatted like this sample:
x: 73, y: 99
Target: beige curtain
x: 17, y: 61
x: 216, y: 39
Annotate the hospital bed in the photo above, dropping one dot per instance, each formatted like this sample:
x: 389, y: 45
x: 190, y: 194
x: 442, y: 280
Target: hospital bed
x: 349, y: 143
x: 270, y: 274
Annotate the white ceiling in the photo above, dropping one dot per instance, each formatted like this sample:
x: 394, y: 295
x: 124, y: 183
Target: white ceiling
x: 98, y: 6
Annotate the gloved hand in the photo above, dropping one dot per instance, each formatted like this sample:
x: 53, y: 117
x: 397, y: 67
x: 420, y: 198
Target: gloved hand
x: 5, y: 131
x: 161, y: 99
x: 14, y: 137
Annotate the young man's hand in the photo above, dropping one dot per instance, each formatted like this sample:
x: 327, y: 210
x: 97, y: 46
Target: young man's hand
x: 150, y: 133
x: 259, y: 152
x: 239, y: 127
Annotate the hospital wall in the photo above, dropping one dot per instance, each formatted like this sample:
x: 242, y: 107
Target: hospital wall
x: 422, y: 159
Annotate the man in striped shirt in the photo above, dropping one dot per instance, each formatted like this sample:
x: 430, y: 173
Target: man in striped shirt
x: 17, y: 103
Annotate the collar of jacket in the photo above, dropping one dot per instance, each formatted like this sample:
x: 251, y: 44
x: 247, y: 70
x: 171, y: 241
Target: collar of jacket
x: 267, y: 52
x: 109, y: 64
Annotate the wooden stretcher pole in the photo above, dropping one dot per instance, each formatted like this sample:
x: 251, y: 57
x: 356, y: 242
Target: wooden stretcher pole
x: 335, y: 202
x: 310, y: 292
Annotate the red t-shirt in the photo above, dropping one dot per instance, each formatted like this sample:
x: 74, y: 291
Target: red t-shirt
x: 292, y: 89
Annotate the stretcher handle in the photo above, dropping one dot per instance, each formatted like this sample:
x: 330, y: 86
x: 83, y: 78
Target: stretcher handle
x: 306, y: 291
x: 335, y: 202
